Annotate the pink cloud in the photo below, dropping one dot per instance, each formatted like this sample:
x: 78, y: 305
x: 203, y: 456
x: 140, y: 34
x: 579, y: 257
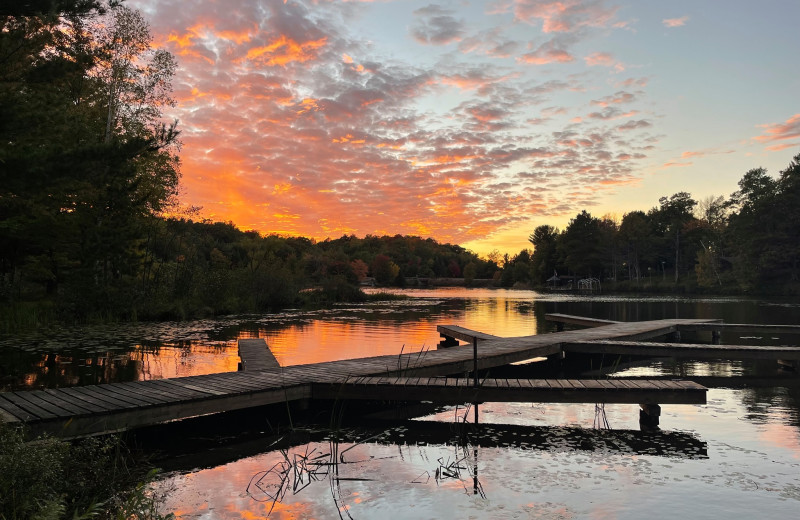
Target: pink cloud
x: 565, y: 15
x: 675, y: 22
x: 789, y: 129
x: 633, y: 82
x: 675, y: 164
x: 599, y: 58
x: 618, y: 98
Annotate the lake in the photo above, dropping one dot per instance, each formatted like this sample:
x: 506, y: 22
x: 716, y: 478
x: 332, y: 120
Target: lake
x: 736, y: 457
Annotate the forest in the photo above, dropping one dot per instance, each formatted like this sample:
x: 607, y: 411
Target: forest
x: 91, y: 226
x: 748, y: 242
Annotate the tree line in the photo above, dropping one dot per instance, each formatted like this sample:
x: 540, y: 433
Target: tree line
x: 747, y: 242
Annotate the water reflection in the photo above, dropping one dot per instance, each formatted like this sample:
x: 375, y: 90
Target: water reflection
x: 351, y: 466
x: 129, y: 352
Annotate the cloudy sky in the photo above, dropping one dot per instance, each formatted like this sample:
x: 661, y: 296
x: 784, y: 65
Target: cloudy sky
x: 472, y: 121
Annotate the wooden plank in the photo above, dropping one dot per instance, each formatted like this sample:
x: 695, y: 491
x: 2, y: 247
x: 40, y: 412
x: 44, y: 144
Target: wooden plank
x: 64, y: 404
x: 184, y: 393
x: 99, y: 396
x: 140, y: 397
x: 60, y: 394
x: 462, y: 333
x: 592, y: 384
x: 646, y: 385
x: 31, y: 408
x: 151, y: 390
x: 107, y: 391
x: 5, y: 415
x: 12, y: 409
x: 741, y: 327
x: 539, y: 391
x: 184, y: 384
x: 685, y: 350
x: 98, y: 403
x: 626, y: 384
x: 577, y: 320
x: 220, y: 386
x: 33, y: 397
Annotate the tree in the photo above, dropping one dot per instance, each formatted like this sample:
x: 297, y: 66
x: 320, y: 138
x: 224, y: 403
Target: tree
x: 384, y: 270
x: 543, y: 260
x: 77, y: 192
x: 580, y: 245
x: 672, y: 215
x: 636, y: 239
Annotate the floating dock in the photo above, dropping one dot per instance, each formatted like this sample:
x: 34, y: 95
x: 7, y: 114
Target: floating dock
x: 90, y: 410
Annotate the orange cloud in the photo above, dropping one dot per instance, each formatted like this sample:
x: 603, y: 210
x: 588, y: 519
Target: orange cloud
x: 675, y: 22
x: 675, y: 164
x: 284, y: 50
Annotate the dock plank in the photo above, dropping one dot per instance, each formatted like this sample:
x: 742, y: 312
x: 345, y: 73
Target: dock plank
x: 33, y: 409
x: 85, y: 406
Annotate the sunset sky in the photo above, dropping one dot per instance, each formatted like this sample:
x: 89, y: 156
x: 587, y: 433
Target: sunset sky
x: 472, y: 122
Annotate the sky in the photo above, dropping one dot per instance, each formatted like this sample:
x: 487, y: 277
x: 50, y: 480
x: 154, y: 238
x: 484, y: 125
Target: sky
x: 472, y: 122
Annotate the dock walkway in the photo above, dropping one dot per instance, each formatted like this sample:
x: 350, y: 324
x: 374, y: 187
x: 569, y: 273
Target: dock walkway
x: 88, y: 410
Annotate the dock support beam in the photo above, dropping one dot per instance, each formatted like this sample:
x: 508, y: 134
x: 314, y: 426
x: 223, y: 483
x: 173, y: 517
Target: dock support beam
x: 475, y: 363
x: 448, y: 341
x: 715, y: 337
x: 649, y: 416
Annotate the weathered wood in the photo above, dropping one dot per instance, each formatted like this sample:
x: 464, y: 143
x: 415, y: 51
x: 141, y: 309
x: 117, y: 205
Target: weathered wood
x: 577, y: 320
x: 464, y: 334
x: 256, y: 355
x: 498, y: 390
x: 741, y: 327
x: 12, y: 410
x: 31, y: 408
x: 687, y: 350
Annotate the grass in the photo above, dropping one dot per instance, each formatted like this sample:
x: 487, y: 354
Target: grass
x: 48, y: 478
x: 22, y: 316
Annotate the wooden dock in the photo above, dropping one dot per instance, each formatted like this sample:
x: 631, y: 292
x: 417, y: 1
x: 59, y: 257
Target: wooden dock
x: 683, y: 350
x: 448, y: 390
x: 88, y: 410
x: 256, y: 355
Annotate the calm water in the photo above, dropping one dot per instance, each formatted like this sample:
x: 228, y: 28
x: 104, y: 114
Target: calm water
x: 736, y: 457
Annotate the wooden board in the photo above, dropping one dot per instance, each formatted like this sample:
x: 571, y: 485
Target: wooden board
x: 577, y: 320
x: 256, y: 355
x: 685, y: 350
x: 501, y: 390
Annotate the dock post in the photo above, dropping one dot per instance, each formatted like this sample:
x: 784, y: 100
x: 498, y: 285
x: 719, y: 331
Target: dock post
x: 715, y: 337
x: 475, y: 362
x: 649, y: 416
